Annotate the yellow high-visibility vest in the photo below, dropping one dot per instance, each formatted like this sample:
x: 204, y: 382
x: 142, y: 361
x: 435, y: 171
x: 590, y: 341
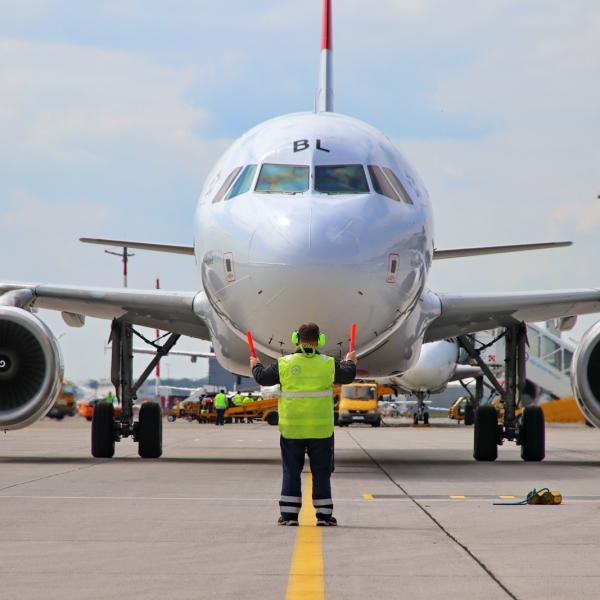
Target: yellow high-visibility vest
x: 220, y: 400
x: 306, y: 400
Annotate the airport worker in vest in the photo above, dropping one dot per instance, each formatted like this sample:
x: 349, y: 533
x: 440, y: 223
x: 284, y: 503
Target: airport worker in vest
x: 220, y: 407
x: 238, y: 401
x: 306, y: 419
x: 246, y: 401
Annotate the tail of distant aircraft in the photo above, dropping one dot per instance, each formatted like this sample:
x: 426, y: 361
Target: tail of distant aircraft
x: 325, y: 92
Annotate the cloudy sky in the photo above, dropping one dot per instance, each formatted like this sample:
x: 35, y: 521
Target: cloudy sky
x: 112, y: 113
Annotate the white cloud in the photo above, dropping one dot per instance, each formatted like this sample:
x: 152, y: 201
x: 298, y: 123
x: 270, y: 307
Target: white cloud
x: 60, y: 102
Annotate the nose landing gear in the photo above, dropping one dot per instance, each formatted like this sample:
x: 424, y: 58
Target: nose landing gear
x: 421, y: 411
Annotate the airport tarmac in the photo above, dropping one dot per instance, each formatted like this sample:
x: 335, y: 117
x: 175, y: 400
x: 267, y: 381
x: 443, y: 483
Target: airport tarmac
x: 416, y: 515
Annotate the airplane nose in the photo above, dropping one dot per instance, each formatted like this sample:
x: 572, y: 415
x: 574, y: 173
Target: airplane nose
x: 304, y: 237
x: 307, y: 266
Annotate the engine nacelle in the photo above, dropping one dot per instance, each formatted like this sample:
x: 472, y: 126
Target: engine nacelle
x: 585, y: 374
x: 31, y: 369
x: 434, y: 369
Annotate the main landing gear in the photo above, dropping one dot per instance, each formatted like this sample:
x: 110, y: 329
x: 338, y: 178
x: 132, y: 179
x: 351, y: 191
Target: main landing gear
x: 490, y: 431
x: 147, y: 430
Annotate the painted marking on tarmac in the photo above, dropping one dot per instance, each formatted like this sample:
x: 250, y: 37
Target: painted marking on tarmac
x: 507, y: 497
x: 305, y: 581
x: 367, y: 496
x: 457, y: 497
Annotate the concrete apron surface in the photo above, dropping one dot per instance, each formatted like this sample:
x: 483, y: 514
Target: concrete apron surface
x: 416, y: 515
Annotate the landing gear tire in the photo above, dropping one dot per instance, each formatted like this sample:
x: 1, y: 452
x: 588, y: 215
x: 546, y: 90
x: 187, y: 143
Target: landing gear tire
x: 533, y: 435
x: 149, y: 434
x: 273, y: 418
x: 469, y: 414
x: 485, y: 447
x: 103, y: 436
x: 426, y: 419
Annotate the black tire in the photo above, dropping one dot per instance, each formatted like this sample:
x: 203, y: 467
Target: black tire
x: 273, y: 418
x: 416, y: 418
x: 149, y: 433
x: 485, y: 447
x: 426, y: 419
x: 533, y: 435
x: 171, y: 418
x: 469, y: 414
x: 103, y: 436
x: 376, y: 423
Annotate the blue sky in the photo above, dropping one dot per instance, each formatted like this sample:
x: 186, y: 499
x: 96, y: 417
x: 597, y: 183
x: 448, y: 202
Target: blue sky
x: 112, y: 113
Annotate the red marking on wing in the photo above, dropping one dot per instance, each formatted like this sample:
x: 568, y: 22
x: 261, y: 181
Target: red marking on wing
x: 327, y: 43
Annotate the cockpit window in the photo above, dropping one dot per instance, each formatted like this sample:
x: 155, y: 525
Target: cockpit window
x: 226, y: 184
x: 398, y: 185
x: 243, y: 182
x: 341, y: 179
x: 282, y: 179
x: 381, y: 184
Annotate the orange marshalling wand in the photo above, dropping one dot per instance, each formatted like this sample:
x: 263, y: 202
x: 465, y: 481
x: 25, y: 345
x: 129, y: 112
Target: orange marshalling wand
x: 251, y: 344
x: 352, y: 337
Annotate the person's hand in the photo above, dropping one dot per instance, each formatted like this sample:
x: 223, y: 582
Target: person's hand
x: 254, y: 361
x: 351, y: 357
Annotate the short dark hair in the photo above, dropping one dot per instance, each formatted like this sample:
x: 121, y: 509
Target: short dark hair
x: 309, y: 332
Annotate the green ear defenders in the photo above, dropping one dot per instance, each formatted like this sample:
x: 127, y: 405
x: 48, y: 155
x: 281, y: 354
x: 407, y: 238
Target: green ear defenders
x: 320, y: 342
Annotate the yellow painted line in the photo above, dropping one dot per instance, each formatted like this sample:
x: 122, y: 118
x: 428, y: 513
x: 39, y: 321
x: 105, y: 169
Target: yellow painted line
x: 507, y: 497
x: 458, y: 497
x: 305, y: 581
x: 367, y: 496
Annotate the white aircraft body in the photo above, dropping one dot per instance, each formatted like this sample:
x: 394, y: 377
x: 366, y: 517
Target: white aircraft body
x: 308, y: 217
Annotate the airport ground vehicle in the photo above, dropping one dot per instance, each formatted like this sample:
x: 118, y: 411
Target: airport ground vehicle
x: 462, y: 409
x: 257, y: 410
x: 86, y: 408
x: 358, y: 404
x: 66, y: 403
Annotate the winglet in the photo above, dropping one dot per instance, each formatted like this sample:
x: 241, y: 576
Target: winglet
x: 325, y: 92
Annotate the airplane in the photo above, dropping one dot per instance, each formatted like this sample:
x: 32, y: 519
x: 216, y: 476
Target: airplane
x: 314, y: 216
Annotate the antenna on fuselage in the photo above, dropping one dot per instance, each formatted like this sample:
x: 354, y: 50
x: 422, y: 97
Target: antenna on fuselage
x: 325, y: 92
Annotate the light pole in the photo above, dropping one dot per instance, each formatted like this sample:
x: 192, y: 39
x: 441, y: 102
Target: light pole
x: 125, y: 255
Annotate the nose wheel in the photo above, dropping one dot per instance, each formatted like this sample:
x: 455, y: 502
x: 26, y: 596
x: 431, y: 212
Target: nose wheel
x: 421, y: 413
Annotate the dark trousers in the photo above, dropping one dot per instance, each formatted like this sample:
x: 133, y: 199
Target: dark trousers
x: 320, y: 455
x: 220, y: 416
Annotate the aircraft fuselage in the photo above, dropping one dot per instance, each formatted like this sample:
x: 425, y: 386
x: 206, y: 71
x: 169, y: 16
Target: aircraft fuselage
x: 284, y: 251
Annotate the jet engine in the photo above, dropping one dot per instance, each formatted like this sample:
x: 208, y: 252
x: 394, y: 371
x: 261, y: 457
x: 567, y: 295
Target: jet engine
x: 435, y: 368
x: 585, y: 374
x: 31, y: 369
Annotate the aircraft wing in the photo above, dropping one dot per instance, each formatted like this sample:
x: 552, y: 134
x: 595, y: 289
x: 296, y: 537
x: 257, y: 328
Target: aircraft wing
x: 169, y: 311
x: 468, y: 313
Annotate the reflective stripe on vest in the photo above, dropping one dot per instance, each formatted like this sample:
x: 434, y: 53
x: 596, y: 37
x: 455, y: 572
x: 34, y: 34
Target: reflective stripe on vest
x: 306, y: 401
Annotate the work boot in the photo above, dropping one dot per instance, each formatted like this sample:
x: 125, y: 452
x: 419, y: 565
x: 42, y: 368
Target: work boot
x: 326, y: 522
x: 290, y: 522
